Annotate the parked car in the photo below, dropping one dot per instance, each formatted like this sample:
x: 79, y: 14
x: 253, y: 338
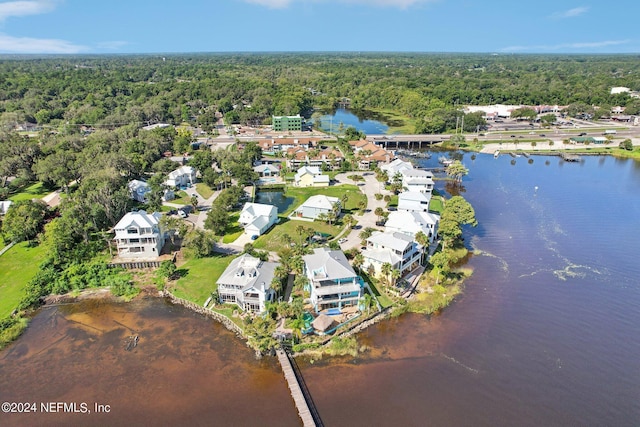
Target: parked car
x: 254, y: 237
x: 542, y: 134
x: 341, y: 241
x: 582, y: 134
x: 182, y: 214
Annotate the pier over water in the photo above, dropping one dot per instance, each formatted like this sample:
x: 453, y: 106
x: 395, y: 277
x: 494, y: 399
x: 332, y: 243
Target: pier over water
x: 299, y: 391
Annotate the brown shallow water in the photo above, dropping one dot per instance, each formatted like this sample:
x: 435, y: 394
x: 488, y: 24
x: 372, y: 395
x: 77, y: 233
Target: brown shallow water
x: 185, y: 370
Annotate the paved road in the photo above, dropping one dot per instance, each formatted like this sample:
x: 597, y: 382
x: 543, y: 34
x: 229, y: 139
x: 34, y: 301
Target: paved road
x: 369, y: 187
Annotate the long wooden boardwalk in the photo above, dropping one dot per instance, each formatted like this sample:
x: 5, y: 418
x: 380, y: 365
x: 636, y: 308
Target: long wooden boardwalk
x: 299, y: 391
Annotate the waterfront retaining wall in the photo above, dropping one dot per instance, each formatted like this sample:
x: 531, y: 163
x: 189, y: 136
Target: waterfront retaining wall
x: 226, y: 322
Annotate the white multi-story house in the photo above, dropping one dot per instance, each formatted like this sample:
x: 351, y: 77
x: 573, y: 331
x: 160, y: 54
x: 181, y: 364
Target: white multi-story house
x: 256, y: 218
x: 410, y: 223
x: 397, y: 249
x: 247, y: 283
x: 395, y: 167
x: 332, y: 283
x: 417, y: 180
x: 414, y: 201
x: 183, y: 176
x: 139, y: 235
x: 138, y: 190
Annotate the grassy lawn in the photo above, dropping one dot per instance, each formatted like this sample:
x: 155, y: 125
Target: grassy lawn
x: 436, y: 205
x: 34, y: 191
x: 382, y: 298
x: 200, y: 277
x: 17, y: 266
x: 273, y: 241
x: 301, y: 194
x: 204, y: 190
x: 233, y: 230
x: 182, y: 198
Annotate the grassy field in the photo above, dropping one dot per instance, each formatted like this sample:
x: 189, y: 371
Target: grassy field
x: 204, y: 190
x: 301, y: 194
x: 181, y: 198
x: 233, y: 230
x: 34, y: 191
x: 17, y: 266
x: 435, y: 205
x: 273, y: 239
x: 200, y: 277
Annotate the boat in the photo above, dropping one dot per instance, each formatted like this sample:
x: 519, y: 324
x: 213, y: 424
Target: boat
x: 444, y: 161
x: 496, y: 154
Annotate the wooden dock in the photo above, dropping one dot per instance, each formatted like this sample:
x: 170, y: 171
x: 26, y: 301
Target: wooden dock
x: 299, y: 391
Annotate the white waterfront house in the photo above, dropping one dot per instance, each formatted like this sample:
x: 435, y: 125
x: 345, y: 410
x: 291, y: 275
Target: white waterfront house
x: 184, y: 175
x: 396, y: 166
x: 417, y: 180
x: 397, y: 249
x: 332, y: 283
x: 410, y: 223
x: 139, y: 235
x: 256, y: 218
x: 414, y: 201
x: 247, y: 283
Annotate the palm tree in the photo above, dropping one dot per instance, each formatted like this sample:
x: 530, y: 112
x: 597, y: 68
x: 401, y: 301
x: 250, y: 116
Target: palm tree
x: 358, y: 260
x: 194, y: 202
x: 349, y: 220
x: 300, y: 229
x: 379, y: 212
x: 386, y: 270
x: 423, y: 241
x: 395, y: 275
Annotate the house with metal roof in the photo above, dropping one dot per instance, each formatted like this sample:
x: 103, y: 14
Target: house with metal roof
x: 414, y: 201
x: 139, y: 235
x: 311, y: 176
x: 246, y: 282
x: 417, y: 180
x: 396, y: 166
x: 317, y: 205
x: 332, y: 282
x: 410, y: 223
x: 138, y: 190
x: 256, y: 218
x: 184, y: 175
x: 397, y: 249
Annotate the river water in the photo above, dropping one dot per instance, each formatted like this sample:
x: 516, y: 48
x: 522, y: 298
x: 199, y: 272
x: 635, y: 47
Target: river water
x: 546, y: 332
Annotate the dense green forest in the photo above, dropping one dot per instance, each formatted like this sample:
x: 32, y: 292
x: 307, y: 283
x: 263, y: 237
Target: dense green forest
x: 119, y: 90
x: 88, y: 112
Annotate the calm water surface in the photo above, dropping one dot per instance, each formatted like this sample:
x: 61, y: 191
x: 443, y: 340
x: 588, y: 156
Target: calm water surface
x: 545, y: 334
x: 331, y: 122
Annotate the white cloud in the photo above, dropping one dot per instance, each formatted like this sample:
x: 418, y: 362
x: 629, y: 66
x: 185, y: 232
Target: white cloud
x: 571, y: 13
x: 565, y: 46
x: 10, y: 44
x: 24, y: 8
x: 280, y: 4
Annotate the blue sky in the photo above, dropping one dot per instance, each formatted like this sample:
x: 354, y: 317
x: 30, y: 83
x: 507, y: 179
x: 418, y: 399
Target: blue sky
x: 146, y: 26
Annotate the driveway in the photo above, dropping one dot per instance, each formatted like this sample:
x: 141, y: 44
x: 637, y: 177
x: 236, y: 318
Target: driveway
x: 370, y: 186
